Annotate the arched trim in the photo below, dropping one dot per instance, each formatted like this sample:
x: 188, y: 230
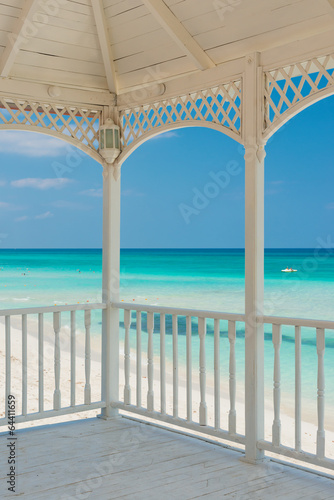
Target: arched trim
x: 295, y: 109
x: 159, y: 130
x: 74, y: 142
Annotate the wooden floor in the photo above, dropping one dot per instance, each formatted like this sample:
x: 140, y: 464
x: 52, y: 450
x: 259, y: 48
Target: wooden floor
x: 97, y: 459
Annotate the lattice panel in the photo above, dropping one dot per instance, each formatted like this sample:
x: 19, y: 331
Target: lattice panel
x: 81, y: 125
x: 286, y: 86
x: 220, y: 105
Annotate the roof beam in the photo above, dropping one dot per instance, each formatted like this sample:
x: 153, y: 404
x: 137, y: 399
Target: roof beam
x: 180, y: 35
x: 17, y: 38
x: 103, y: 35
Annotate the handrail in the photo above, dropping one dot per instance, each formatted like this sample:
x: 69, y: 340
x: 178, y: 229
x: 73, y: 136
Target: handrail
x: 179, y: 311
x: 51, y: 309
x: 311, y: 323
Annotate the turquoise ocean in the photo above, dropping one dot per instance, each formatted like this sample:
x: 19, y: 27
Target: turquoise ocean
x: 197, y: 279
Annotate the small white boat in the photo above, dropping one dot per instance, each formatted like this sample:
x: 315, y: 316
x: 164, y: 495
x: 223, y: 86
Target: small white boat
x: 289, y: 270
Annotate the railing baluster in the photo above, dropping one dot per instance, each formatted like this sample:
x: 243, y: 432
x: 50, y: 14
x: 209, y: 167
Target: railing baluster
x: 138, y: 358
x: 56, y: 394
x: 297, y: 388
x: 8, y: 362
x: 189, y: 370
x: 24, y: 364
x: 87, y: 357
x: 163, y: 363
x: 202, y: 371
x: 73, y: 356
x: 276, y: 428
x: 217, y: 372
x: 40, y: 362
x: 321, y: 393
x: 175, y: 367
x: 232, y: 417
x: 150, y: 393
x: 127, y: 324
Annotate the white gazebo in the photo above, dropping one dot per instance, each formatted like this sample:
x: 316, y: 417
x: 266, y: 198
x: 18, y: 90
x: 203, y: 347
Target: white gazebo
x: 106, y: 76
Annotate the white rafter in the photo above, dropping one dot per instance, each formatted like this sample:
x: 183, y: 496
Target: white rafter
x: 102, y: 32
x: 180, y: 35
x: 17, y: 38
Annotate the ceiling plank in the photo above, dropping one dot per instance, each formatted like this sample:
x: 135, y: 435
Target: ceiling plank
x: 179, y: 34
x: 103, y: 35
x: 17, y: 38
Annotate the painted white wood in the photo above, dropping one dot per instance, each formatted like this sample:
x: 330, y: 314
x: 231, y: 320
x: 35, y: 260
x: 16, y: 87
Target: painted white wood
x: 179, y: 34
x: 276, y: 427
x: 17, y: 38
x: 138, y: 357
x: 110, y: 289
x: 87, y: 392
x: 150, y: 372
x: 309, y: 323
x: 73, y: 356
x: 189, y: 368
x: 254, y: 258
x: 232, y: 416
x: 50, y: 309
x: 102, y: 31
x: 163, y: 363
x: 173, y: 311
x: 41, y: 362
x: 217, y: 372
x: 298, y: 388
x: 175, y: 367
x: 321, y: 393
x: 202, y: 371
x: 8, y: 361
x: 127, y: 389
x: 24, y: 365
x: 56, y: 393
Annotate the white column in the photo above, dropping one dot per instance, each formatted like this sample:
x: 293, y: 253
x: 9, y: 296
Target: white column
x: 110, y: 288
x: 254, y: 256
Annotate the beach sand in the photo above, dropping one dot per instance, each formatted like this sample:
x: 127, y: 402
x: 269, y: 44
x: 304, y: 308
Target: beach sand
x: 309, y: 428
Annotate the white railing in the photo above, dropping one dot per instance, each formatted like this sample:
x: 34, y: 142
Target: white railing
x: 49, y: 359
x: 195, y: 323
x: 157, y: 394
x: 276, y: 446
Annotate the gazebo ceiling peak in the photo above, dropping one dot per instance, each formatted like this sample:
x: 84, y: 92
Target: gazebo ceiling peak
x: 108, y: 47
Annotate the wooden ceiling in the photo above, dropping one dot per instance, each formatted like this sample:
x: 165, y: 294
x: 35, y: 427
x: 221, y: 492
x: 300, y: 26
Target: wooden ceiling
x: 118, y: 45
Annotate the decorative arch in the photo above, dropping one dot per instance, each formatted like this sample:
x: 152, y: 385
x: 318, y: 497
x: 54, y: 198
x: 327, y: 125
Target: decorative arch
x: 218, y: 108
x: 165, y: 128
x: 290, y: 89
x: 75, y: 125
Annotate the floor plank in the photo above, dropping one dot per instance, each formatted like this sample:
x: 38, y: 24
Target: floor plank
x: 124, y: 459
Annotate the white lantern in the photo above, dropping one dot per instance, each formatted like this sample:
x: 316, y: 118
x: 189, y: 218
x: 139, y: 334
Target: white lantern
x: 109, y: 141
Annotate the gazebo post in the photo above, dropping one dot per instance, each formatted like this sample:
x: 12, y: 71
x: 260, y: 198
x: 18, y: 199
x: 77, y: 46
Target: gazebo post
x: 254, y: 257
x: 110, y: 288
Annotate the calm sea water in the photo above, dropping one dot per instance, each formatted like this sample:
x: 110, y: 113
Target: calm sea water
x: 198, y: 279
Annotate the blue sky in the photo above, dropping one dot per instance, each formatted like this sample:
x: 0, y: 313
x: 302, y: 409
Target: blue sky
x: 169, y: 199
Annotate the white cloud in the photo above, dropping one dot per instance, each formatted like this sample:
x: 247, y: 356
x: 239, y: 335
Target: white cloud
x: 95, y: 193
x: 23, y: 218
x: 2, y: 183
x: 43, y: 184
x: 165, y: 135
x: 330, y: 206
x: 46, y: 215
x: 8, y: 206
x: 31, y: 144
